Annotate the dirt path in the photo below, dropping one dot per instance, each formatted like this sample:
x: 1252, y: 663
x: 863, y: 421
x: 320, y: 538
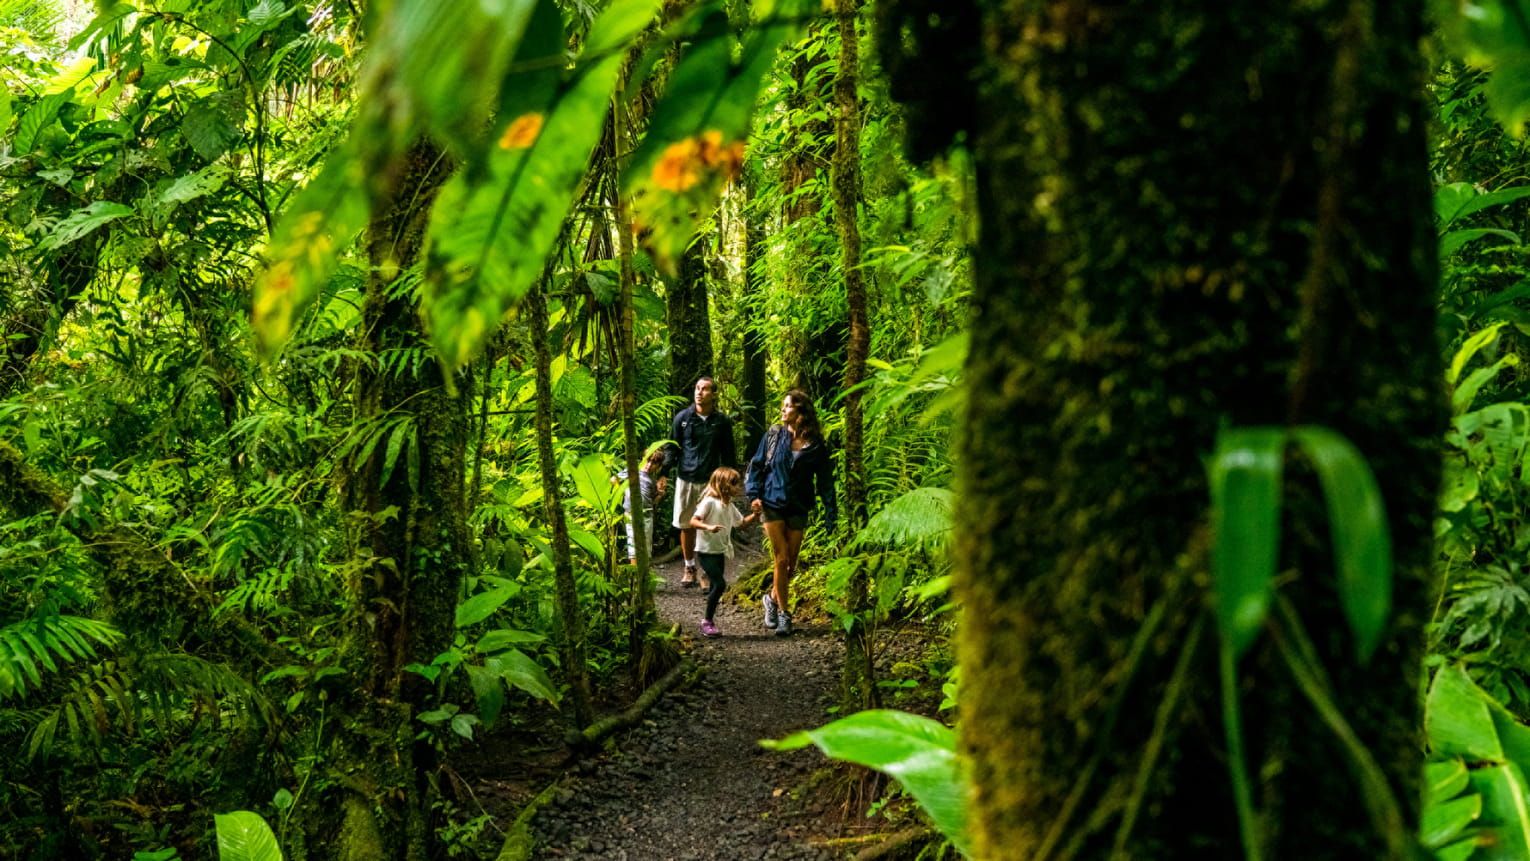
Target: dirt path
x: 691, y: 782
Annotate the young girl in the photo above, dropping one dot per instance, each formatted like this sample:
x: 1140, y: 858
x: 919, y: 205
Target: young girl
x: 714, y: 520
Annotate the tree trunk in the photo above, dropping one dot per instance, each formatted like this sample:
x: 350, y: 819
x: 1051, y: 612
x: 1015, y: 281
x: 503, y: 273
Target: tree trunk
x: 688, y: 321
x: 1192, y: 215
x: 414, y: 537
x: 571, y: 643
x: 754, y: 355
x: 859, y: 676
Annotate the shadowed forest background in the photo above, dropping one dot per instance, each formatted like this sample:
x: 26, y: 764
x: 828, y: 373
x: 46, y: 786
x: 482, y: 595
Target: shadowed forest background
x: 1169, y: 353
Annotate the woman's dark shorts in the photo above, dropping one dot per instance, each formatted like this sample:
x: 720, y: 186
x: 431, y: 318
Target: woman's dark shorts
x: 794, y: 522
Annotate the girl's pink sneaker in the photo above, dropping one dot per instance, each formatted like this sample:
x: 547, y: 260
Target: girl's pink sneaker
x: 709, y: 630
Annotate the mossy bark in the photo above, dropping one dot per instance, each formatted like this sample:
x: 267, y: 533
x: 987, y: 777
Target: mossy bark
x: 565, y: 588
x: 753, y: 348
x: 414, y: 545
x: 858, y: 682
x: 688, y: 321
x: 1193, y: 215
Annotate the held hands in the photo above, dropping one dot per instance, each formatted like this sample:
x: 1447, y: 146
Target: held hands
x: 755, y: 505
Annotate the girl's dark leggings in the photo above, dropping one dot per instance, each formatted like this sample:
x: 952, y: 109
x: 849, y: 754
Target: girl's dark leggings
x: 713, y: 564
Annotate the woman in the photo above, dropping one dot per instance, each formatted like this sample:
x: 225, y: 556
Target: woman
x: 789, y: 472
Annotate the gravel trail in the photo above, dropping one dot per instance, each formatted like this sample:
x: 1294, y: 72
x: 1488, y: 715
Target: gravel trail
x: 691, y: 782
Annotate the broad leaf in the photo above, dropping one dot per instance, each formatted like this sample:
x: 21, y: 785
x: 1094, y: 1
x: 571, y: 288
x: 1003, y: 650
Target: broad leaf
x: 694, y: 145
x: 323, y: 219
x: 1362, y: 541
x: 244, y: 836
x: 1506, y: 812
x: 488, y: 690
x: 84, y: 221
x: 1245, y: 502
x: 504, y: 638
x: 517, y: 668
x: 491, y: 231
x: 1444, y: 822
x: 918, y: 752
x: 1453, y: 241
x: 1470, y: 348
x: 1457, y: 721
x: 482, y: 606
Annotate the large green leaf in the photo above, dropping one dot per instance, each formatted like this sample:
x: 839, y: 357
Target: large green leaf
x: 1362, y: 542
x: 520, y: 671
x: 83, y: 222
x: 1466, y: 390
x: 1494, y: 35
x: 1506, y: 811
x: 1453, y: 241
x: 1441, y: 823
x: 1245, y: 474
x: 482, y: 606
x: 244, y: 836
x: 1457, y: 721
x: 917, y: 752
x: 491, y: 230
x: 446, y: 62
x: 694, y: 145
x: 304, y: 253
x: 1469, y: 348
x: 488, y: 690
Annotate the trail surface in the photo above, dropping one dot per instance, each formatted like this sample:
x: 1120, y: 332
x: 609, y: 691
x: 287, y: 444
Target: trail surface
x: 692, y: 782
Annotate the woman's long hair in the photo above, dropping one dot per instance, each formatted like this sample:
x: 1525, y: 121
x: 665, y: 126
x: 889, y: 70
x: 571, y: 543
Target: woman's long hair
x: 807, y: 416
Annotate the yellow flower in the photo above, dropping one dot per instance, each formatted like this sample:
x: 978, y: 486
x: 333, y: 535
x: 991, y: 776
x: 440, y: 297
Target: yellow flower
x: 680, y: 166
x: 522, y: 132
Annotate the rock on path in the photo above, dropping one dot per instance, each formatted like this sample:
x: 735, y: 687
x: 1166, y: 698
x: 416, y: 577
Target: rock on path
x: 691, y: 782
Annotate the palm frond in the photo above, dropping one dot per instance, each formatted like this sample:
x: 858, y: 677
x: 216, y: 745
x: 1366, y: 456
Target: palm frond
x: 31, y: 651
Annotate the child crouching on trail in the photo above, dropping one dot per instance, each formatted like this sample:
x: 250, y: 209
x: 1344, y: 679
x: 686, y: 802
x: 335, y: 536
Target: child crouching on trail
x: 714, y: 521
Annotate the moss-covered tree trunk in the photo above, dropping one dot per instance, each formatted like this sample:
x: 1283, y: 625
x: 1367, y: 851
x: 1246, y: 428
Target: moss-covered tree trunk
x: 1193, y: 214
x: 565, y: 589
x: 688, y: 321
x: 859, y: 687
x: 414, y: 545
x: 754, y: 353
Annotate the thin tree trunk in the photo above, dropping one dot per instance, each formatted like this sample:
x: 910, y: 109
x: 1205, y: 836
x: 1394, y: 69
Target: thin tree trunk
x: 754, y: 355
x: 1237, y: 232
x: 641, y: 612
x: 859, y: 675
x: 566, y: 590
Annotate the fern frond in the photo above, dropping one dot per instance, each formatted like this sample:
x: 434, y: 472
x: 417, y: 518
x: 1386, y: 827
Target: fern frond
x: 918, y: 519
x: 29, y: 648
x: 165, y: 690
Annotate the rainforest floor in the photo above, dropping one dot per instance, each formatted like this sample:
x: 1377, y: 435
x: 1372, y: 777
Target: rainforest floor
x: 691, y: 780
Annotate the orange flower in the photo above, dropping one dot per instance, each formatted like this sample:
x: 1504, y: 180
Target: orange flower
x: 522, y: 132
x: 680, y: 166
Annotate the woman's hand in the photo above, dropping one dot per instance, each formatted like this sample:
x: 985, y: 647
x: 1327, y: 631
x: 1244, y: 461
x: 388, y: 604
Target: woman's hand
x: 755, y: 505
x: 714, y: 528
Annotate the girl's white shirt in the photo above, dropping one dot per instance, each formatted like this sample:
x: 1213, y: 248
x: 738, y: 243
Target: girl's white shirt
x: 714, y: 512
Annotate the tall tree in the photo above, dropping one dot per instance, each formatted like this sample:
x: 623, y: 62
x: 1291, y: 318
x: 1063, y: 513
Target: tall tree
x: 1234, y: 230
x: 688, y: 320
x: 754, y: 354
x: 566, y: 590
x: 859, y: 690
x: 414, y: 538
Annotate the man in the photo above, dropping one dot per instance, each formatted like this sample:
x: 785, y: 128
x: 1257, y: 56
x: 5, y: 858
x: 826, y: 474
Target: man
x: 705, y: 437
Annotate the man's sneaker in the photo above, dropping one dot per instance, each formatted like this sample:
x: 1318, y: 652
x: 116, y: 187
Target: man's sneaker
x: 688, y: 577
x: 709, y: 630
x: 783, y: 624
x: 770, y: 611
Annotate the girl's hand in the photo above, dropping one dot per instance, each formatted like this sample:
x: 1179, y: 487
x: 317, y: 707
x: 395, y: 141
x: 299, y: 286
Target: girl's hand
x: 755, y: 505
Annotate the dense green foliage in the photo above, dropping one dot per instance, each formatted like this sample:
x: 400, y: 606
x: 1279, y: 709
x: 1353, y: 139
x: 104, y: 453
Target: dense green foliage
x: 190, y: 202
